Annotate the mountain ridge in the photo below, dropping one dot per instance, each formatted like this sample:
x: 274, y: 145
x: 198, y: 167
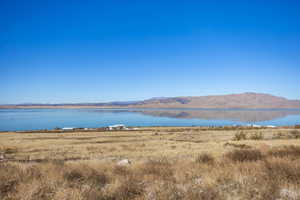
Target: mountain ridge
x: 242, y: 100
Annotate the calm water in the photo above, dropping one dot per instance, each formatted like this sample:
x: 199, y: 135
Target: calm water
x: 31, y: 119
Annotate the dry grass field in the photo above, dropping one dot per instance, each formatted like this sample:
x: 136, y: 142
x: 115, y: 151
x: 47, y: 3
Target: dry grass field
x: 166, y: 163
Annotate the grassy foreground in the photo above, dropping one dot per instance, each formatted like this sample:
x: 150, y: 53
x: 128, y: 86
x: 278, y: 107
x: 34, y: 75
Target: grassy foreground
x: 167, y: 163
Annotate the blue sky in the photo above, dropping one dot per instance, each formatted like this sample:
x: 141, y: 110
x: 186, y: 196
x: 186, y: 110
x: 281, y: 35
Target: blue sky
x: 56, y: 51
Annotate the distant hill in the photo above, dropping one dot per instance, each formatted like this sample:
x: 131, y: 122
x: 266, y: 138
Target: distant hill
x: 244, y: 100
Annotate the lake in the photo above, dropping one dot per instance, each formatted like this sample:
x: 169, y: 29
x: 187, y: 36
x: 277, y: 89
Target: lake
x: 33, y: 119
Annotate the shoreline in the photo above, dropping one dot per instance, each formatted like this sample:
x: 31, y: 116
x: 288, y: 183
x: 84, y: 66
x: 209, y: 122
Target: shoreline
x: 145, y: 128
x: 141, y: 107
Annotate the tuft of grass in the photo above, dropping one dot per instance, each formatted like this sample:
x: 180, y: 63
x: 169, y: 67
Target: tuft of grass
x: 161, y: 168
x: 205, y: 158
x: 129, y: 188
x: 257, y: 136
x: 74, y: 176
x: 244, y: 155
x: 283, y: 169
x: 121, y: 170
x: 286, y: 151
x: 278, y: 135
x: 209, y: 193
x: 82, y: 174
x: 240, y: 135
x: 8, y: 179
x: 295, y: 134
x: 240, y: 146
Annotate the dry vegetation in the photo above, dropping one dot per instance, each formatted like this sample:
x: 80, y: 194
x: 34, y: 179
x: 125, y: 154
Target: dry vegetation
x: 167, y: 163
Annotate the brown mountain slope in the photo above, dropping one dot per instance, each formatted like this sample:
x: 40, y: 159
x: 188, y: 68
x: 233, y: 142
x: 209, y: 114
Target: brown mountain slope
x: 245, y: 100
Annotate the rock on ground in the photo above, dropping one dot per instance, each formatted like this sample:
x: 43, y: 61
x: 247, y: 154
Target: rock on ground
x: 124, y: 162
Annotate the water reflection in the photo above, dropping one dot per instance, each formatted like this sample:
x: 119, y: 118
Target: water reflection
x: 32, y: 119
x: 241, y: 115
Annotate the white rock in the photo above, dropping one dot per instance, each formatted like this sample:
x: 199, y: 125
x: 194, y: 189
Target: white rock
x: 289, y: 194
x: 124, y: 162
x: 198, y: 181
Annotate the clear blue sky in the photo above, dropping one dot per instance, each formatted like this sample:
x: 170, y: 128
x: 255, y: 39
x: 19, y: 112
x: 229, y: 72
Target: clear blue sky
x: 55, y: 51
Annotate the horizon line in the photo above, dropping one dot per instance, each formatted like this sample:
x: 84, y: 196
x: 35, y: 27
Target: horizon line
x: 131, y: 101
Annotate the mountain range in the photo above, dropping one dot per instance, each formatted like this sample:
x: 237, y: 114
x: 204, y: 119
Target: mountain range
x: 245, y: 100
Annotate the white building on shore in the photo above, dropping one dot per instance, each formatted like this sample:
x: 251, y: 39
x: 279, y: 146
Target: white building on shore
x: 68, y: 128
x: 117, y: 127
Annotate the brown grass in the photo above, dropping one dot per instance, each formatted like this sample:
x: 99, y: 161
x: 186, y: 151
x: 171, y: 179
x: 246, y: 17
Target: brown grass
x: 205, y: 158
x: 182, y: 142
x: 295, y: 134
x: 265, y: 177
x: 240, y: 135
x: 83, y: 165
x: 244, y: 155
x: 256, y: 136
x: 285, y: 151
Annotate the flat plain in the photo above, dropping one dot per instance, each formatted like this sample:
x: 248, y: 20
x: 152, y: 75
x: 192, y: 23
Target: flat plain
x: 139, y: 145
x: 165, y: 163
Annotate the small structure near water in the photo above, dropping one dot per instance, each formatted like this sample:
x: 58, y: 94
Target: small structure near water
x: 270, y: 126
x: 117, y: 127
x: 107, y: 128
x: 260, y: 126
x: 68, y: 129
